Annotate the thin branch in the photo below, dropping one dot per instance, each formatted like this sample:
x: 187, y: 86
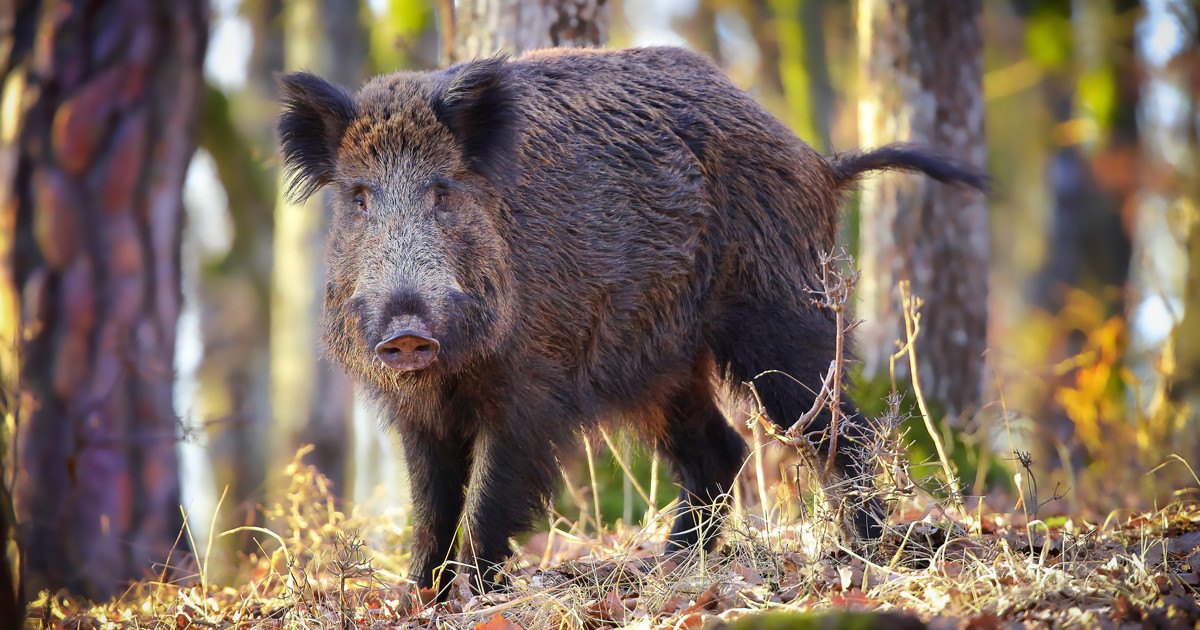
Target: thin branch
x: 446, y: 30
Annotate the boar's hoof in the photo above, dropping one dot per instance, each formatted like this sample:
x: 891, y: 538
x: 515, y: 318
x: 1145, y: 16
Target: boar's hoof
x: 407, y: 351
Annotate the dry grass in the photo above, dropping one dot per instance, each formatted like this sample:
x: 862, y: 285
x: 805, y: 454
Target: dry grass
x: 311, y: 574
x: 940, y: 563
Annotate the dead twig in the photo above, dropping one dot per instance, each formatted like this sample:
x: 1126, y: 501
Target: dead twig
x: 912, y: 327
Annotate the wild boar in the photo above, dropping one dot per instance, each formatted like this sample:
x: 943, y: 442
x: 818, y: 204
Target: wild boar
x: 524, y: 249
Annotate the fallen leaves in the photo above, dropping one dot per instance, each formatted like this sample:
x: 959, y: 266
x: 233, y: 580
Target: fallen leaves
x: 1142, y: 571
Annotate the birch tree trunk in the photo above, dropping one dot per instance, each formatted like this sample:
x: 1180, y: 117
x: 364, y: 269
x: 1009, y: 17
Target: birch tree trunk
x: 488, y: 27
x: 922, y: 72
x: 1164, y: 282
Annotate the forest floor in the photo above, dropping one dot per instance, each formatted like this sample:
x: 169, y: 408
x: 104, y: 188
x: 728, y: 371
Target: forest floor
x: 327, y: 567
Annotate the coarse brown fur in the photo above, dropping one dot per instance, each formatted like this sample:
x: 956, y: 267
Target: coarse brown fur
x: 589, y: 235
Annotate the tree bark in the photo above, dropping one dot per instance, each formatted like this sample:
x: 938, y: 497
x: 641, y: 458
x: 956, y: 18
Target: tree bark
x: 488, y: 27
x: 90, y: 186
x: 803, y: 71
x: 1091, y: 246
x: 922, y: 70
x: 1185, y: 386
x: 235, y: 288
x: 311, y: 399
x: 1165, y: 276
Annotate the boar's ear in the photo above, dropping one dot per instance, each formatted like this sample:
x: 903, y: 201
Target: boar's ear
x: 315, y: 115
x: 480, y: 108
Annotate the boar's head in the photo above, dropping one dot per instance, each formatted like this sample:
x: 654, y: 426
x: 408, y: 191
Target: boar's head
x: 415, y: 164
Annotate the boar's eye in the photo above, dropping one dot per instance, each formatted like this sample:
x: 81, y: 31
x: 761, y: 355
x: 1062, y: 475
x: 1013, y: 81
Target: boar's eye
x: 440, y: 196
x: 360, y: 202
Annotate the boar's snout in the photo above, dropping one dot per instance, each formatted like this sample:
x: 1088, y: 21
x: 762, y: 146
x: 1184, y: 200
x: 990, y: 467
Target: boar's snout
x: 408, y: 350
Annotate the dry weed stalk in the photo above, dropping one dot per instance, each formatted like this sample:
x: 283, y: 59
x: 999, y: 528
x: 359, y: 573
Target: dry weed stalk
x: 1081, y: 576
x: 591, y: 463
x: 630, y: 478
x: 911, y: 306
x: 837, y: 287
x: 350, y: 562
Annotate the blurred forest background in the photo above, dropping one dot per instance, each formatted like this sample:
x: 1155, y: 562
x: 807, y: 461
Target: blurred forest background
x: 138, y: 165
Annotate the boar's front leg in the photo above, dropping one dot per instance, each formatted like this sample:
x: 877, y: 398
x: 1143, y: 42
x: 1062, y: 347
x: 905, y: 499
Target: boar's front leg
x: 438, y: 467
x: 513, y: 475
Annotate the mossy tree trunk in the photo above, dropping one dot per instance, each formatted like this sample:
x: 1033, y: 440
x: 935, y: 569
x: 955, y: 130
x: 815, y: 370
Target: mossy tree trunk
x: 105, y: 103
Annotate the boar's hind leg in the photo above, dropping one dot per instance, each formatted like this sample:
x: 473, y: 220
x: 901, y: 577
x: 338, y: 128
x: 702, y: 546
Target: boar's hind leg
x: 437, y: 475
x: 785, y: 346
x: 706, y: 454
x: 513, y: 476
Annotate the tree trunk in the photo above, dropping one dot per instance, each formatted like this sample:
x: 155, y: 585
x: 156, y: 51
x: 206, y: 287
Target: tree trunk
x: 922, y: 67
x: 803, y: 72
x: 1091, y: 249
x: 12, y: 599
x: 90, y: 182
x: 1185, y: 386
x: 1164, y: 282
x: 488, y: 27
x: 311, y: 399
x: 235, y: 288
x: 1092, y: 182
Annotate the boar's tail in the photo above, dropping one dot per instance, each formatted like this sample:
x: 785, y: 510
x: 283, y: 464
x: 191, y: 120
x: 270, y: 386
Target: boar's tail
x: 849, y: 167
